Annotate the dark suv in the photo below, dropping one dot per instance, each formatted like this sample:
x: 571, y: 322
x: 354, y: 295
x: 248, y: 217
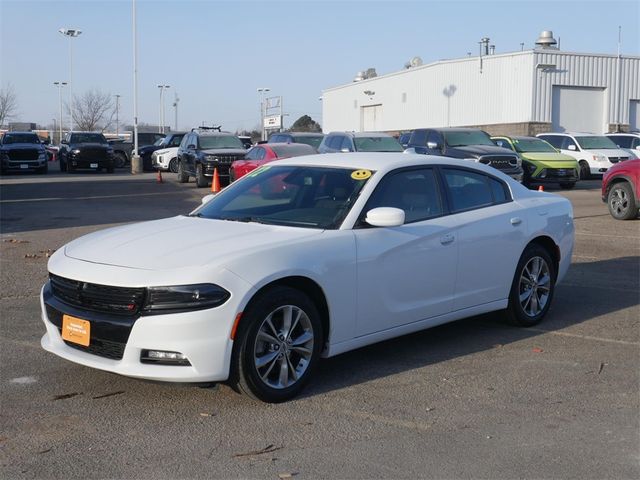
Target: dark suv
x: 22, y: 152
x: 310, y: 138
x: 88, y: 150
x: 173, y: 139
x: 466, y: 143
x: 204, y: 149
x: 359, y: 142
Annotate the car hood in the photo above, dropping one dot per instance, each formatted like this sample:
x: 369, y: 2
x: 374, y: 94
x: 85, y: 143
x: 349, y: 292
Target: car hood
x: 180, y: 242
x: 89, y: 145
x: 22, y: 146
x: 225, y: 151
x: 547, y: 157
x: 480, y: 150
x: 164, y: 151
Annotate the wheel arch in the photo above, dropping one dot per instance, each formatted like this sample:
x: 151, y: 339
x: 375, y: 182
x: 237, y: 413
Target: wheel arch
x: 550, y: 246
x: 615, y: 180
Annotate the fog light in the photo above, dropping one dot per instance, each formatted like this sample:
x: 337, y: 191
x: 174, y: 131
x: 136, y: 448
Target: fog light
x: 164, y: 358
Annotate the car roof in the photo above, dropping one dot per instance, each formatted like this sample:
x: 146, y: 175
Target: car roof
x: 452, y: 129
x: 623, y: 134
x: 301, y: 134
x: 362, y: 134
x: 573, y: 134
x: 207, y: 133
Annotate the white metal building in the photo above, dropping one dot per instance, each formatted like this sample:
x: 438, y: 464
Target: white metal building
x: 524, y: 92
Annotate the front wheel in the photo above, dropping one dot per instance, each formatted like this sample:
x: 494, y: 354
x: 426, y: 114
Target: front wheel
x: 277, y: 346
x: 173, y: 165
x: 622, y: 202
x: 585, y: 170
x: 183, y: 177
x: 532, y: 288
x: 120, y: 159
x: 201, y: 180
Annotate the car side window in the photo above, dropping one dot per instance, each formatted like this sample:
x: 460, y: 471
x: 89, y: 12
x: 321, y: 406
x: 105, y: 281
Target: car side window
x: 468, y: 190
x: 434, y: 137
x: 636, y: 143
x: 175, y: 141
x: 567, y: 142
x: 334, y: 142
x: 419, y: 137
x: 260, y: 152
x: 414, y: 191
x: 346, y: 143
x: 501, y: 142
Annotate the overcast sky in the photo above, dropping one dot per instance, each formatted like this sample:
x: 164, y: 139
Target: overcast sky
x: 215, y: 54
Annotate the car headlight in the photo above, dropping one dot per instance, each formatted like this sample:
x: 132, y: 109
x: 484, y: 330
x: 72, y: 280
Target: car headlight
x: 184, y: 297
x: 599, y: 158
x: 75, y: 151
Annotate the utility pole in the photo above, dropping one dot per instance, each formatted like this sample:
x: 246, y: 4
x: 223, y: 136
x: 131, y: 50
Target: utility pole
x: 117, y: 114
x: 175, y: 108
x: 136, y: 163
x: 71, y: 33
x: 162, y: 88
x: 60, y: 85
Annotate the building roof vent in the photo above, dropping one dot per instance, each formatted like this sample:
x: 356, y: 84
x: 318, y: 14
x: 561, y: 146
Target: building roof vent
x: 368, y: 73
x: 546, y: 40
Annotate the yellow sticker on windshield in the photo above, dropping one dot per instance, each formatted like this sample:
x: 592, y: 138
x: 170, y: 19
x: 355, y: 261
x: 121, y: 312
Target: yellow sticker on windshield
x: 361, y: 174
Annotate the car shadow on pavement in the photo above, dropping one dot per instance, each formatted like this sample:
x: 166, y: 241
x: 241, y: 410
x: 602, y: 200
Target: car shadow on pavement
x: 578, y: 299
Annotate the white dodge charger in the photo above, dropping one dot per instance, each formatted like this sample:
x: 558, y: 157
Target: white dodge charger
x: 306, y: 258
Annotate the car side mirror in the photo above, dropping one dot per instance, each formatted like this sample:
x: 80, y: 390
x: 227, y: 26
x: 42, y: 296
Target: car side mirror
x: 207, y: 198
x: 434, y: 145
x: 345, y: 150
x: 191, y: 147
x: 572, y: 148
x: 385, y: 217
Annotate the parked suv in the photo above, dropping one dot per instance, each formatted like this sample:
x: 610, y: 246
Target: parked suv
x: 22, y: 152
x: 621, y: 190
x: 629, y: 142
x: 595, y: 153
x: 359, y: 142
x: 310, y: 138
x: 172, y: 140
x: 89, y: 150
x: 466, y: 143
x: 541, y: 163
x: 204, y: 149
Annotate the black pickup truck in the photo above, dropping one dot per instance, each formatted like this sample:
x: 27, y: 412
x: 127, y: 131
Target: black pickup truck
x: 85, y: 150
x: 466, y: 143
x: 123, y: 150
x: 22, y: 152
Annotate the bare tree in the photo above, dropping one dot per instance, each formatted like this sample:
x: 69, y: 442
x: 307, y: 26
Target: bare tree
x: 94, y: 110
x: 8, y: 104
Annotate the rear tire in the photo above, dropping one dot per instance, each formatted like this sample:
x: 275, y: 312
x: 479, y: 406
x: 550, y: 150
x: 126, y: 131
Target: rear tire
x: 69, y: 167
x: 622, y: 202
x: 585, y: 170
x: 120, y: 159
x: 532, y: 287
x: 201, y: 180
x: 173, y: 165
x: 183, y: 177
x: 277, y: 346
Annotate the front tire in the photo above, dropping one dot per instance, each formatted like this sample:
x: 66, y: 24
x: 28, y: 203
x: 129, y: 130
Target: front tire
x: 183, y: 177
x: 277, y: 346
x: 201, y: 180
x: 532, y: 288
x: 173, y: 165
x: 622, y: 202
x: 585, y: 170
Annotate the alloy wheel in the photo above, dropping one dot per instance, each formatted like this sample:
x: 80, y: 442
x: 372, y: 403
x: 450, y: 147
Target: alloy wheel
x: 534, y: 286
x: 619, y: 202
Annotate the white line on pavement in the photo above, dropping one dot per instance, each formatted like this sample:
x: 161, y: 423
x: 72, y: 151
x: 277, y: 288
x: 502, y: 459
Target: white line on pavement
x: 97, y: 197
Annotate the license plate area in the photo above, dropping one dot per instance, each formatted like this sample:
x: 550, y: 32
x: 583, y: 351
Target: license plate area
x: 76, y: 330
x: 24, y: 166
x: 94, y: 165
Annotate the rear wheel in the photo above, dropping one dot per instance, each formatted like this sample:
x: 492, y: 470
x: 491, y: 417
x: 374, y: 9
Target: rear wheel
x: 621, y: 202
x: 201, y: 180
x: 173, y: 165
x: 532, y: 288
x: 183, y: 177
x: 585, y: 170
x: 69, y: 167
x: 567, y: 185
x: 120, y: 159
x: 278, y: 345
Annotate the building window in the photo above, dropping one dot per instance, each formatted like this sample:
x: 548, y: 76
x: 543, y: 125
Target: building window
x: 404, y: 97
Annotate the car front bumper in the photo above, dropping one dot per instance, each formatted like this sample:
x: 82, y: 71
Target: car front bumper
x: 23, y: 165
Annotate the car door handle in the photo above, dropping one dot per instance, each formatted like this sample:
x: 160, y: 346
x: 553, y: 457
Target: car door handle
x: 447, y: 239
x: 516, y: 221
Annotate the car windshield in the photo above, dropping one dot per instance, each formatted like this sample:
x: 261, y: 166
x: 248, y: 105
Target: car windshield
x: 377, y: 144
x: 159, y: 142
x: 314, y: 141
x: 88, y: 138
x: 295, y: 196
x: 524, y: 145
x: 292, y: 150
x: 595, y: 142
x: 20, y: 138
x: 219, y: 141
x: 461, y: 138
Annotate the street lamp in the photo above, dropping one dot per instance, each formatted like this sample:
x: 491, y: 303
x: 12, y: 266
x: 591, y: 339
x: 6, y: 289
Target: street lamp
x: 162, y: 89
x: 60, y: 85
x: 175, y: 106
x: 70, y: 33
x: 117, y: 114
x: 261, y: 92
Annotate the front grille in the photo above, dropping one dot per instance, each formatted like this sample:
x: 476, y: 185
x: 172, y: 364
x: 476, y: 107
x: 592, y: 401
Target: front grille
x: 561, y: 173
x: 87, y: 153
x: 226, y: 158
x: 103, y: 348
x: 499, y: 161
x: 98, y: 298
x: 26, y: 154
x: 618, y: 159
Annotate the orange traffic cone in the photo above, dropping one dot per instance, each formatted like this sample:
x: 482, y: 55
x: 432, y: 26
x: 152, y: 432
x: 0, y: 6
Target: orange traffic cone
x: 541, y: 188
x: 215, y: 184
x: 159, y: 176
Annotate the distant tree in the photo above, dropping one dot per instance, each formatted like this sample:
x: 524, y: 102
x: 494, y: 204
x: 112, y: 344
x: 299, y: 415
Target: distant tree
x: 93, y: 110
x: 305, y: 124
x: 8, y: 104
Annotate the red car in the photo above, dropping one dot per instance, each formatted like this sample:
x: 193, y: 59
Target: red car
x: 620, y: 189
x: 267, y: 152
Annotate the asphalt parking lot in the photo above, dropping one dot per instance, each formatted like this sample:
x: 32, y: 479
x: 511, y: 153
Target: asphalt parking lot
x: 473, y: 399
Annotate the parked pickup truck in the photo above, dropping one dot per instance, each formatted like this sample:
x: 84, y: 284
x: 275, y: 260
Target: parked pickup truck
x: 122, y: 150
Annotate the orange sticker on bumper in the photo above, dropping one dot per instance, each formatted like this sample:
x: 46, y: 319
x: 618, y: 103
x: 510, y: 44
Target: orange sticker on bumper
x: 76, y: 330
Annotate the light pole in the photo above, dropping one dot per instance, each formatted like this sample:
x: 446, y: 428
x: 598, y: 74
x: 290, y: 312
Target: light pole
x: 175, y: 107
x: 70, y: 33
x: 136, y: 162
x: 60, y: 85
x: 162, y: 88
x: 117, y: 114
x: 261, y: 92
